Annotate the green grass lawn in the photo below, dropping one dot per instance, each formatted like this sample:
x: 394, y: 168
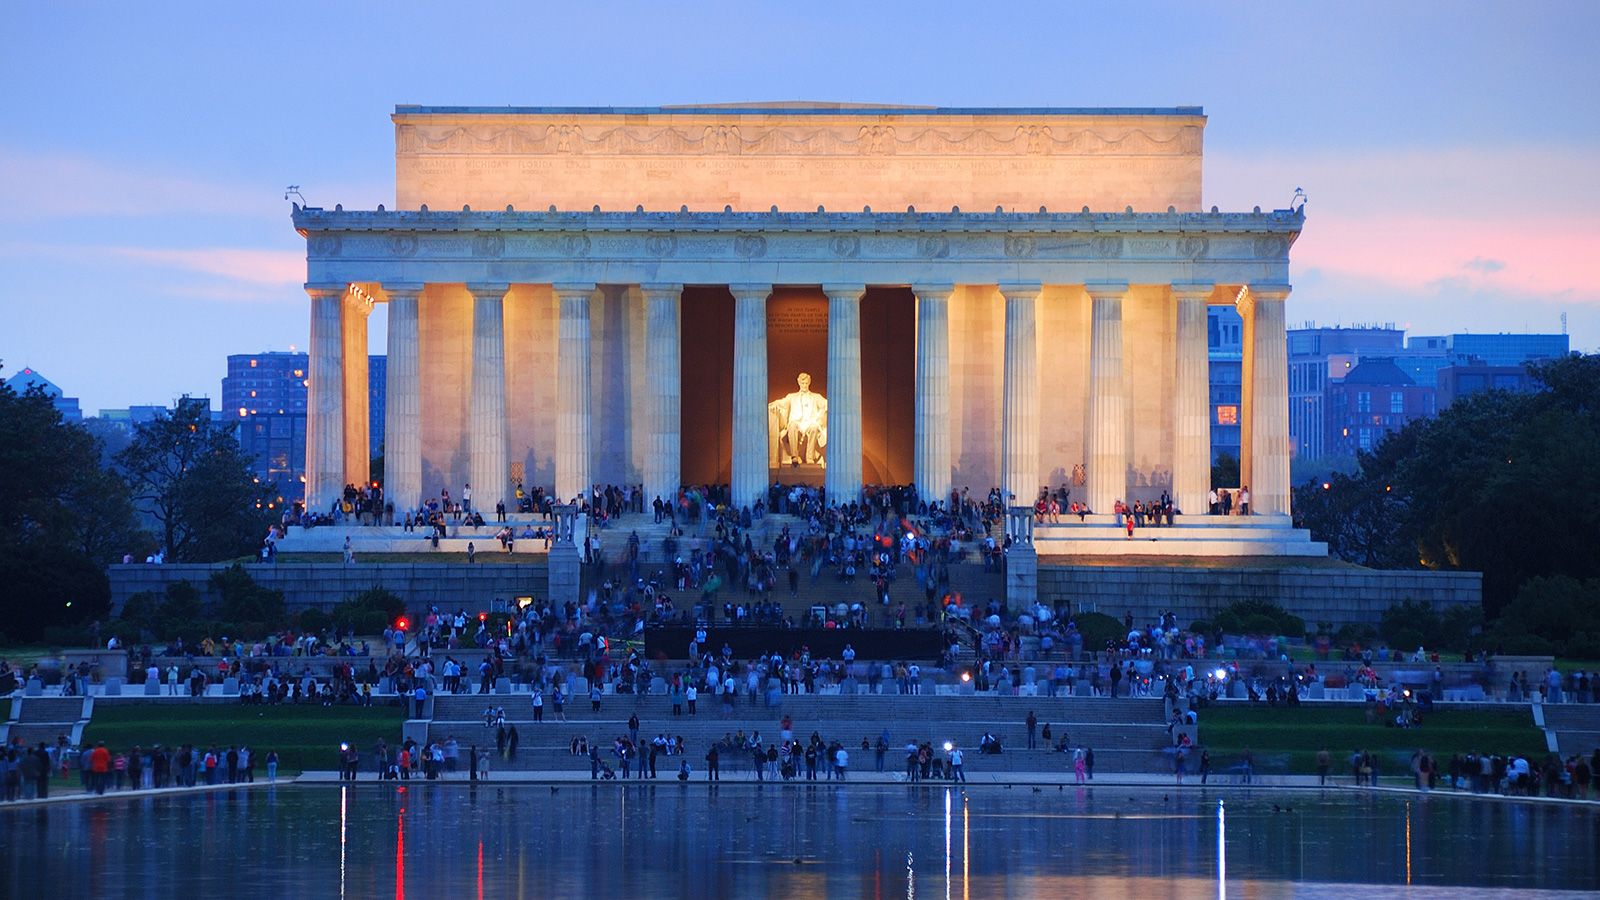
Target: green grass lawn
x: 305, y: 737
x: 1287, y: 740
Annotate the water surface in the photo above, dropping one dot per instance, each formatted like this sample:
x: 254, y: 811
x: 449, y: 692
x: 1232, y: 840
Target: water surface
x: 745, y: 840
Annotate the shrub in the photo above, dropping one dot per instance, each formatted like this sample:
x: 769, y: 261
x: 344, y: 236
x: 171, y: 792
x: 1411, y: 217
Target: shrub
x: 1410, y: 624
x: 369, y: 612
x: 1259, y: 617
x: 1097, y: 629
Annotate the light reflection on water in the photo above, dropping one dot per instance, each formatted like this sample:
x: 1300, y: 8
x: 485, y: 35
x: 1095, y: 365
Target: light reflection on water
x: 743, y: 840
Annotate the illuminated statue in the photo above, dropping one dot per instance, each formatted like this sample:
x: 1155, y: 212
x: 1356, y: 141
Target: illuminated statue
x: 797, y: 426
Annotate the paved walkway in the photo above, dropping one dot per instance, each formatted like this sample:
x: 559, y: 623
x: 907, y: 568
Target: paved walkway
x: 1038, y: 782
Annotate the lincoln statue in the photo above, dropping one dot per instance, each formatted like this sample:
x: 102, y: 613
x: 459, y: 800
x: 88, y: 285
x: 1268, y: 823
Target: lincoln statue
x: 797, y: 426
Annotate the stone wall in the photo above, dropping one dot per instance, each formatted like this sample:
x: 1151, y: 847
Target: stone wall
x: 1336, y: 595
x: 447, y: 585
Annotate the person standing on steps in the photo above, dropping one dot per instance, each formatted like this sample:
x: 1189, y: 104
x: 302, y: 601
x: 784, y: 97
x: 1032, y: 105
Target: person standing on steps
x: 1033, y: 727
x: 712, y: 772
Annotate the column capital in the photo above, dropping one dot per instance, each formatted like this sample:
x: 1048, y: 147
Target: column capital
x: 403, y: 289
x: 324, y: 289
x: 1278, y: 292
x: 933, y: 291
x: 1106, y: 290
x: 481, y: 290
x: 844, y: 291
x: 1020, y: 290
x: 573, y: 289
x: 750, y: 291
x: 660, y: 290
x: 1192, y: 290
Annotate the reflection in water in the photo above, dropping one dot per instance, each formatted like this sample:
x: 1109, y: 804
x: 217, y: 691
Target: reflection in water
x: 400, y: 849
x: 738, y: 842
x: 946, y: 844
x: 1222, y: 851
x: 966, y: 850
x: 344, y: 833
x: 1408, y: 842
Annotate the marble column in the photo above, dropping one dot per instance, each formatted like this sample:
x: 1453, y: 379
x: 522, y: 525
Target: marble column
x: 1269, y: 406
x: 842, y: 478
x: 750, y: 471
x: 1019, y: 404
x: 325, y: 397
x: 402, y: 417
x: 1191, y: 429
x: 1108, y: 407
x: 932, y: 459
x: 486, y: 404
x: 357, y: 306
x: 572, y: 390
x: 663, y: 342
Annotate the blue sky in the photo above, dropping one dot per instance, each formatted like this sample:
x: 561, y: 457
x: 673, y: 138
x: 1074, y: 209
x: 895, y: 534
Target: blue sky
x: 1451, y: 151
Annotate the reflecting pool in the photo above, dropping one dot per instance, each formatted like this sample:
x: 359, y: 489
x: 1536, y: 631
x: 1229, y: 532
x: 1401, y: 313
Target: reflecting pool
x: 745, y: 840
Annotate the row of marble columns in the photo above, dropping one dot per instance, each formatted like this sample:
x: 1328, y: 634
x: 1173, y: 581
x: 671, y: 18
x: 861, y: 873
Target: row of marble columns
x: 337, y: 450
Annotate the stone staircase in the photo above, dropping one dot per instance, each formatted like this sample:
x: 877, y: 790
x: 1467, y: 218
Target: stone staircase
x: 967, y: 578
x: 36, y: 719
x: 1576, y: 726
x: 1127, y: 735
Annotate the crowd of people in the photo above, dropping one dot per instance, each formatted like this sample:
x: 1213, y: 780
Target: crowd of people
x: 26, y: 772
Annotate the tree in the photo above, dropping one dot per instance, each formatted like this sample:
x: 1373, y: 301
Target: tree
x: 192, y: 478
x: 62, y: 520
x: 1498, y: 483
x: 1503, y: 483
x: 1225, y: 471
x: 242, y: 601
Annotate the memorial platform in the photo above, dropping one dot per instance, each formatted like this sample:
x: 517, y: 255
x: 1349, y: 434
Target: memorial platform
x: 1189, y: 536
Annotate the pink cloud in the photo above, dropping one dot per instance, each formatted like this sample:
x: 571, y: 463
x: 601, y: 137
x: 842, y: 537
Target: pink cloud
x: 1533, y: 256
x: 265, y: 267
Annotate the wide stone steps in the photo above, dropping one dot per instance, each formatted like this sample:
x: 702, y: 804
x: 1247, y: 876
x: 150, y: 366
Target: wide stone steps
x: 871, y: 707
x: 49, y: 709
x: 1099, y: 535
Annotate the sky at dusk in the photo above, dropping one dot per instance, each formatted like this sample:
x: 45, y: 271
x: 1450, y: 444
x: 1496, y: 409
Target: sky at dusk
x: 1451, y: 151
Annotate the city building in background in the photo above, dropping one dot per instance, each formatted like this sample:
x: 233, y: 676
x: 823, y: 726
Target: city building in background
x: 1317, y: 358
x: 1374, y: 398
x: 1334, y: 413
x: 1494, y: 349
x: 264, y: 394
x: 29, y: 378
x: 1225, y: 352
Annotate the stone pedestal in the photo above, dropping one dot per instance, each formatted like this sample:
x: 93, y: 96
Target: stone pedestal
x: 663, y: 343
x: 1022, y: 560
x: 402, y: 423
x: 573, y: 392
x: 566, y: 562
x: 486, y: 408
x: 1019, y: 407
x: 932, y: 460
x: 325, y: 398
x: 749, y: 482
x: 1108, y: 426
x: 1191, y: 453
x: 842, y: 479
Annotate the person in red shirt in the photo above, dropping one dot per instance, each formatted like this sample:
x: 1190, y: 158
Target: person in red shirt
x: 99, y: 767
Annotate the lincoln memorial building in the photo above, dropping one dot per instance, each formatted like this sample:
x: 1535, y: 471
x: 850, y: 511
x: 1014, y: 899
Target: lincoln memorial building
x: 815, y: 293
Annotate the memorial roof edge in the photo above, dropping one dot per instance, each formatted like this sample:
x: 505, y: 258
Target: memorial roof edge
x: 1279, y: 221
x: 406, y: 109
